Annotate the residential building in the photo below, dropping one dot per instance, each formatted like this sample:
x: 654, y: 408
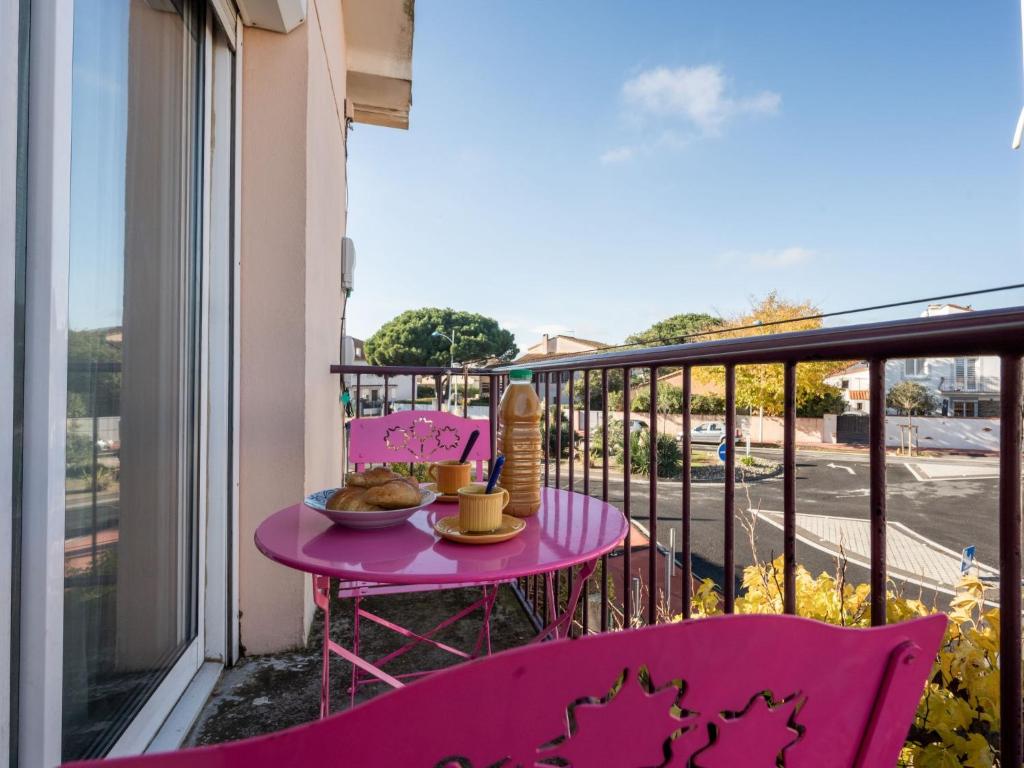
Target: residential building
x: 550, y: 347
x: 963, y: 387
x: 174, y: 281
x: 370, y: 388
x: 557, y: 346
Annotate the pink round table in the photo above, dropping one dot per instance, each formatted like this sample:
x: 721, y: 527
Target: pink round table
x: 569, y: 529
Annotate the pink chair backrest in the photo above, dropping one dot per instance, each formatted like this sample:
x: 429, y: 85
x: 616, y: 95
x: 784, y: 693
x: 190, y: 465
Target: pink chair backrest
x: 724, y: 692
x: 417, y: 436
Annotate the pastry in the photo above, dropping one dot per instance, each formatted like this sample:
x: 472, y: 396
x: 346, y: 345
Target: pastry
x: 350, y: 500
x: 396, y: 494
x: 377, y: 476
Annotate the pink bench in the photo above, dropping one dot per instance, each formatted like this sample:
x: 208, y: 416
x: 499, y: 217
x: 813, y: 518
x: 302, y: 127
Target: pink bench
x: 724, y: 692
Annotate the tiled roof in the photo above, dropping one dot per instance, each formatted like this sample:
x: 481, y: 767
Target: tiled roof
x: 529, y: 357
x: 852, y: 368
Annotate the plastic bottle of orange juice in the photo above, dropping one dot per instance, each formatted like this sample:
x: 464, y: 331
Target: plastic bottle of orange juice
x: 519, y: 439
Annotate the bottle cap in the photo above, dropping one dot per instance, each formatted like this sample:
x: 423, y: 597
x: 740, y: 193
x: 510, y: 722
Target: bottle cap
x: 523, y: 374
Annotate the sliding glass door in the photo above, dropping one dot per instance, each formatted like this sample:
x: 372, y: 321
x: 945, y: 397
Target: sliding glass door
x: 131, y: 544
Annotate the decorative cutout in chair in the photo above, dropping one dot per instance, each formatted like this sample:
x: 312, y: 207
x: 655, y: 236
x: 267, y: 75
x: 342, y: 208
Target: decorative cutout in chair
x: 412, y: 436
x: 724, y: 692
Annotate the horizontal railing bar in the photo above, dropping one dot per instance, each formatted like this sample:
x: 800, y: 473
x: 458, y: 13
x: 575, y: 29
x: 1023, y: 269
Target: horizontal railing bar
x: 412, y: 370
x: 983, y: 332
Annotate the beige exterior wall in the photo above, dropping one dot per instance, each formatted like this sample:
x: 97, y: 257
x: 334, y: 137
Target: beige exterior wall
x: 293, y: 211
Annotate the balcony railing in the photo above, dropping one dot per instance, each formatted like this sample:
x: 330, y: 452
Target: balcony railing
x: 996, y: 332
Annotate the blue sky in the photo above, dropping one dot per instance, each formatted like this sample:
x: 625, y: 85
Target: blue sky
x: 99, y: 126
x: 628, y: 161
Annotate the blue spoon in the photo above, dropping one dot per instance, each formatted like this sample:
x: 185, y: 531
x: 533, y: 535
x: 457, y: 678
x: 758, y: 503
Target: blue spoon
x: 495, y: 472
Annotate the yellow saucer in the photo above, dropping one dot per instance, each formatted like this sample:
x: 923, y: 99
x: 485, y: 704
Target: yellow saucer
x: 448, y: 528
x: 447, y: 498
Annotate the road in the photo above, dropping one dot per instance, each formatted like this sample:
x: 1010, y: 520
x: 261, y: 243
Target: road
x: 936, y: 507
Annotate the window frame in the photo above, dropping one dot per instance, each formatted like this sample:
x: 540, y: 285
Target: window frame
x: 47, y: 210
x: 968, y: 363
x: 962, y: 402
x: 920, y: 367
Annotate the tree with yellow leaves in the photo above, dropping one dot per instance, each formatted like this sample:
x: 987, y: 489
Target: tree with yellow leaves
x: 760, y: 387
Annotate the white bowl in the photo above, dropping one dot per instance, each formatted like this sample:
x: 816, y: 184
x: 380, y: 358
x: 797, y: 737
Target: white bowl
x: 383, y: 518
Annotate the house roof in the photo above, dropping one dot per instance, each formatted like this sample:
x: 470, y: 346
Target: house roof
x: 529, y: 356
x: 578, y: 340
x: 858, y: 367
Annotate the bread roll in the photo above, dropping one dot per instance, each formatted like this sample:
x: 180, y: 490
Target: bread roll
x: 350, y: 500
x: 355, y: 479
x: 397, y: 494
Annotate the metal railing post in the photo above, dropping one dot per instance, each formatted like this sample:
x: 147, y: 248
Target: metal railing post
x: 627, y: 555
x: 652, y: 507
x: 789, y: 489
x: 558, y: 429
x: 547, y: 429
x: 685, y: 545
x: 604, y: 492
x: 876, y: 453
x: 1011, y: 410
x: 729, y: 565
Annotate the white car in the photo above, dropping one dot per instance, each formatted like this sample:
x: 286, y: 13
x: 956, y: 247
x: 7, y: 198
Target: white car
x: 711, y: 433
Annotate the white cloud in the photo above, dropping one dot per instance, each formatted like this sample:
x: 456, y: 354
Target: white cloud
x: 772, y: 259
x: 618, y: 155
x: 698, y: 95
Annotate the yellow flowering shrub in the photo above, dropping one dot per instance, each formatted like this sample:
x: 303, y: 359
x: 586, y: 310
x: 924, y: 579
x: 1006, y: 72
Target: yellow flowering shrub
x: 957, y: 721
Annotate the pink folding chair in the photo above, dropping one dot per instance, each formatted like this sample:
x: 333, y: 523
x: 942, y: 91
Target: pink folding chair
x: 417, y: 436
x: 723, y: 692
x: 405, y: 436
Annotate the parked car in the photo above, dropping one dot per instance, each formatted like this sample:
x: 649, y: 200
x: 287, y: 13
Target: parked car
x: 712, y: 433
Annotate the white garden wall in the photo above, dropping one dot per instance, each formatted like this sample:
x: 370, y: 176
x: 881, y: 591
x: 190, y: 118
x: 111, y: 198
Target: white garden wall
x: 946, y: 432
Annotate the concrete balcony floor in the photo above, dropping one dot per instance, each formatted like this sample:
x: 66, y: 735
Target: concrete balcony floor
x: 268, y: 693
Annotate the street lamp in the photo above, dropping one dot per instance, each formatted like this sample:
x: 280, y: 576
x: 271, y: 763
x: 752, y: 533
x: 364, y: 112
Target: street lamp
x: 451, y: 361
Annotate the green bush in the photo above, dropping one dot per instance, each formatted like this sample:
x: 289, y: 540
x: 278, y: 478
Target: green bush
x: 816, y: 404
x: 568, y: 436
x: 669, y: 455
x: 957, y: 721
x: 614, y: 441
x: 615, y: 401
x: 707, y: 405
x: 419, y: 470
x: 79, y: 454
x: 670, y: 400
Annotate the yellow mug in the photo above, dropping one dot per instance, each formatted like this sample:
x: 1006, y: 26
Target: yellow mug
x: 449, y: 476
x: 480, y: 512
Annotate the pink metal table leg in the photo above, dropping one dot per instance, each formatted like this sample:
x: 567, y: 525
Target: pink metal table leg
x: 555, y: 625
x: 355, y: 649
x: 485, y: 631
x: 322, y: 599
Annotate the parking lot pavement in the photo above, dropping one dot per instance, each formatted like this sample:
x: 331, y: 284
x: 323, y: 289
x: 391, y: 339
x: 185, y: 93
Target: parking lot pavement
x: 910, y: 557
x: 935, y: 507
